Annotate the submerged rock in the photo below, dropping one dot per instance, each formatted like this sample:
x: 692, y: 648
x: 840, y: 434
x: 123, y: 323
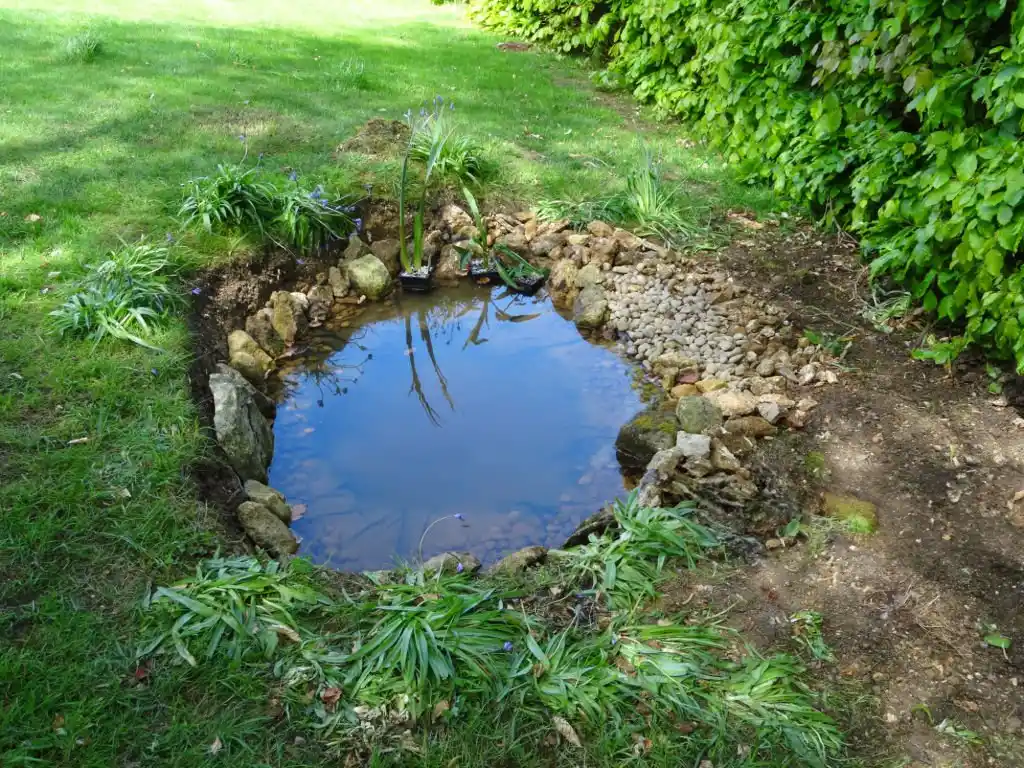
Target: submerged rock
x: 519, y: 561
x: 270, y: 498
x: 698, y: 415
x: 247, y: 357
x: 369, y: 276
x: 289, y: 315
x: 647, y: 433
x: 243, y: 433
x: 591, y: 308
x: 449, y: 562
x: 266, y: 529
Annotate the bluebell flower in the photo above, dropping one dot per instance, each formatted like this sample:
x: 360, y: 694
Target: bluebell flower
x: 508, y: 645
x: 451, y: 106
x: 459, y: 568
x: 423, y: 111
x: 293, y: 176
x: 170, y: 238
x: 196, y: 291
x: 300, y: 262
x: 323, y: 203
x: 359, y: 225
x: 615, y: 639
x: 154, y: 371
x: 457, y: 515
x: 241, y: 137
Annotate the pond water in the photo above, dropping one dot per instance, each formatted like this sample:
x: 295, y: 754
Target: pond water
x: 468, y: 401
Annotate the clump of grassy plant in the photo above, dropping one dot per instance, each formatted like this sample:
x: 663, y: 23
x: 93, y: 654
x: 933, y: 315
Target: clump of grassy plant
x: 82, y: 48
x: 232, y: 197
x: 514, y: 270
x: 308, y: 220
x: 453, y: 156
x: 807, y: 632
x: 122, y: 297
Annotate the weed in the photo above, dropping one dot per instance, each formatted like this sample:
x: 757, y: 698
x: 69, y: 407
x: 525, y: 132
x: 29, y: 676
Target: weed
x: 308, y: 220
x: 807, y: 632
x: 233, y: 197
x: 837, y: 346
x: 82, y: 48
x: 885, y: 307
x: 954, y: 730
x: 121, y: 296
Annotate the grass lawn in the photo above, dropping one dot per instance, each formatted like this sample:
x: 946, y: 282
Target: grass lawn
x: 93, y: 152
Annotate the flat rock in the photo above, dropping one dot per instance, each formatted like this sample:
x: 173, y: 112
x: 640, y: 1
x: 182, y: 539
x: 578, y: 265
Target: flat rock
x: 750, y: 426
x: 266, y: 529
x: 770, y: 412
x: 271, y: 498
x: 692, y: 446
x: 733, y: 403
x: 698, y: 415
x: 643, y: 436
x: 369, y: 276
x: 519, y: 561
x: 242, y: 432
x: 448, y: 563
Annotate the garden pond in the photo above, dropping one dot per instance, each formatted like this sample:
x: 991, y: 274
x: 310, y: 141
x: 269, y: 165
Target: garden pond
x: 470, y: 401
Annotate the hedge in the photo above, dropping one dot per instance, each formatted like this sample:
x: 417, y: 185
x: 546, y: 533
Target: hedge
x: 900, y: 121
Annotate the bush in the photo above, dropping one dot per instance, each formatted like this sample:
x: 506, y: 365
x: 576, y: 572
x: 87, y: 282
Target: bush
x: 900, y: 121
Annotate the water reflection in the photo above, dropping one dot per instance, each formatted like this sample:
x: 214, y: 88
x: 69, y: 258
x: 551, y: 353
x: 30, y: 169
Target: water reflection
x: 471, y: 401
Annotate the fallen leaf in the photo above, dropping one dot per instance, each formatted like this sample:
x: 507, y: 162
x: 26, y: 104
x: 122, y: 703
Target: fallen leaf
x: 440, y: 708
x: 33, y: 217
x: 330, y: 697
x: 566, y: 731
x: 685, y: 728
x: 216, y: 746
x: 287, y: 632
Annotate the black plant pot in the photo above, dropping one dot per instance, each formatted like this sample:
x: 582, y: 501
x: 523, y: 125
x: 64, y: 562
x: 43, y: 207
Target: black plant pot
x: 417, y: 281
x: 530, y: 284
x: 483, y: 275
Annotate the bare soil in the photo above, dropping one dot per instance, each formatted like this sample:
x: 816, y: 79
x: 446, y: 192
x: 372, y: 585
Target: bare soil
x: 905, y: 609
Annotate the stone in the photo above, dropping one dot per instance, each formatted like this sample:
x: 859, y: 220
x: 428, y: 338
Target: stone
x: 627, y: 240
x: 674, y: 360
x: 807, y: 404
x: 520, y: 561
x: 770, y: 412
x: 765, y: 368
x: 750, y: 426
x: 732, y: 402
x: 662, y: 465
x: 242, y: 432
x: 389, y: 252
x: 543, y: 246
x: 578, y: 238
x: 271, y: 498
x: 603, y: 251
x: 590, y: 308
x: 723, y: 459
x: 289, y: 316
x: 261, y: 327
x: 562, y: 281
x: 589, y: 276
x: 710, y: 385
x: 861, y: 516
x: 369, y: 276
x: 683, y: 390
x: 266, y: 529
x: 643, y: 436
x: 455, y: 218
x: 595, y: 525
x: 448, y: 265
x: 697, y: 415
x: 693, y: 446
x: 355, y: 249
x: 448, y: 563
x: 247, y: 357
x: 797, y: 419
x: 432, y: 245
x: 321, y: 297
x: 600, y: 229
x: 338, y: 281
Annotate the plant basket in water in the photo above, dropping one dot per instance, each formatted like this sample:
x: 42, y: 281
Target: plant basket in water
x: 417, y: 281
x: 529, y: 284
x: 482, y: 274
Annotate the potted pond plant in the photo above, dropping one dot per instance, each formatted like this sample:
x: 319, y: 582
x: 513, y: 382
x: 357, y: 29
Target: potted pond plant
x: 518, y: 274
x: 475, y: 257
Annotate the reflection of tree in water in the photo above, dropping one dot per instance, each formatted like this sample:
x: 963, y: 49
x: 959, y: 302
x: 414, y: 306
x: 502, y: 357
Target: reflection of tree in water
x: 323, y: 370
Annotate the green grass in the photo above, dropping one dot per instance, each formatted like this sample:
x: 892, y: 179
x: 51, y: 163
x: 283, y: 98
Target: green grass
x: 97, y: 503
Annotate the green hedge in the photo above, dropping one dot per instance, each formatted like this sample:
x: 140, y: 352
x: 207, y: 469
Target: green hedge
x: 901, y: 121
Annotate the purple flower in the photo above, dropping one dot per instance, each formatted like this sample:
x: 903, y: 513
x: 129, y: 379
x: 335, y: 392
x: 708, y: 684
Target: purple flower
x: 423, y: 111
x: 451, y: 106
x: 359, y: 225
x: 323, y: 203
x: 459, y: 568
x: 241, y: 137
x: 170, y: 238
x: 457, y: 515
x: 293, y: 176
x: 300, y: 262
x: 196, y: 291
x: 507, y: 646
x: 615, y: 639
x: 154, y: 371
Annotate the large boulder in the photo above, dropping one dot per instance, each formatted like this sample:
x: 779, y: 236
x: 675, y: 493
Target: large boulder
x: 643, y: 436
x: 247, y: 357
x: 369, y: 276
x: 590, y: 308
x: 261, y: 327
x: 698, y: 415
x: 289, y: 315
x: 389, y: 252
x: 243, y: 433
x: 271, y: 498
x: 266, y: 529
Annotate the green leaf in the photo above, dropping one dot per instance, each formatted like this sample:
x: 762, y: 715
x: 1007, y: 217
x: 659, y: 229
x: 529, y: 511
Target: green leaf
x: 966, y: 165
x: 998, y: 641
x: 994, y: 262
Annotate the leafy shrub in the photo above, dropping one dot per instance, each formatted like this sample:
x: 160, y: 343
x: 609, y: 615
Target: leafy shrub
x: 232, y: 197
x: 121, y: 296
x: 900, y: 121
x: 307, y: 219
x: 82, y: 48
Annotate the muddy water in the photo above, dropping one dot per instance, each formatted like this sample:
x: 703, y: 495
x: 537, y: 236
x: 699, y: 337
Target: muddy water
x: 467, y: 401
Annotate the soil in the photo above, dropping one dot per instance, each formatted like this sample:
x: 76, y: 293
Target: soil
x: 905, y: 609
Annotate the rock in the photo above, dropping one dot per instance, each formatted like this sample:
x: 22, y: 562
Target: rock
x: 247, y: 357
x: 796, y: 419
x: 289, y: 316
x: 243, y: 433
x: 627, y: 240
x: 733, y: 403
x: 562, y: 281
x: 807, y: 404
x: 861, y: 516
x: 662, y: 465
x: 590, y: 308
x: 261, y: 327
x: 594, y: 525
x: 448, y: 266
x: 693, y: 446
x: 770, y: 412
x: 643, y: 436
x: 543, y: 246
x: 369, y: 276
x: 455, y: 218
x: 389, y: 253
x: 722, y: 458
x: 674, y: 360
x: 578, y: 238
x: 589, y: 276
x: 270, y: 498
x: 697, y: 415
x: 603, y: 251
x: 432, y: 245
x: 519, y: 561
x: 750, y: 426
x: 321, y: 297
x: 448, y: 563
x: 338, y: 281
x: 266, y: 529
x: 600, y: 229
x: 355, y: 249
x: 683, y: 390
x: 710, y: 385
x: 774, y: 544
x: 765, y: 368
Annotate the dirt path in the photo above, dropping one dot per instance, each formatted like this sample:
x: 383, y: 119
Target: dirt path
x: 905, y: 609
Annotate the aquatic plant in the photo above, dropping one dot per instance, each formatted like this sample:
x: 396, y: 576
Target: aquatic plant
x: 516, y: 271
